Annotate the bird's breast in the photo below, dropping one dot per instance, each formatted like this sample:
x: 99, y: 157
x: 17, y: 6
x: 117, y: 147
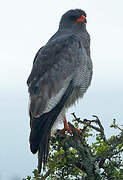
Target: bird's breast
x: 81, y: 82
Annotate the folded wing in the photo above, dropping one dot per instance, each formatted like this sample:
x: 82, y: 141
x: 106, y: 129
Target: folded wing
x: 53, y: 69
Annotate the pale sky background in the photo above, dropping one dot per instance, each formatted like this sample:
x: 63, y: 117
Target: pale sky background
x: 27, y: 25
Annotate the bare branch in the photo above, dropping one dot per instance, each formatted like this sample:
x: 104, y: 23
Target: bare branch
x: 88, y: 123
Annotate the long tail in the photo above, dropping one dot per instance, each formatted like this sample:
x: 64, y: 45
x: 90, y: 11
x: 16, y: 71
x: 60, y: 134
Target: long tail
x: 41, y: 127
x: 45, y: 156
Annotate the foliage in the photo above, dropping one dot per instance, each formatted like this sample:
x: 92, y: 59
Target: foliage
x: 72, y: 157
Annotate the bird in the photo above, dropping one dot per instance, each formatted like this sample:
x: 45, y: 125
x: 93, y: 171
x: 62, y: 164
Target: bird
x: 61, y: 74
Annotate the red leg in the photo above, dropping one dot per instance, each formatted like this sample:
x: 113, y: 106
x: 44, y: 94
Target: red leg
x: 67, y: 128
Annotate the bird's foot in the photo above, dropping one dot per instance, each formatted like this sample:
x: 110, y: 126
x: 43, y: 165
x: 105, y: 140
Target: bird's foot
x: 67, y: 128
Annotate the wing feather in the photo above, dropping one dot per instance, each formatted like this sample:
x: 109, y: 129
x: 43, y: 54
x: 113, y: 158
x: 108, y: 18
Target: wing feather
x: 53, y: 69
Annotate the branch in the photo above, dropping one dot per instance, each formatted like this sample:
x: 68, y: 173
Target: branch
x: 88, y: 124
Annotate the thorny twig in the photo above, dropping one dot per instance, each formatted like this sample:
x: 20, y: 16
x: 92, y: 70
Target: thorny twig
x: 114, y: 125
x: 88, y: 123
x: 112, y: 145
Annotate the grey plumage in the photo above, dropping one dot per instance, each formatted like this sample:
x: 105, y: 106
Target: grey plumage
x: 61, y: 74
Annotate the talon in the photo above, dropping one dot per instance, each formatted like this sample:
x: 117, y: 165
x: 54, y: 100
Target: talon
x: 67, y: 128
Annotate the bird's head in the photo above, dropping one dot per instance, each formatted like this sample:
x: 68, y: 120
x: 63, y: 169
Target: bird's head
x: 73, y: 19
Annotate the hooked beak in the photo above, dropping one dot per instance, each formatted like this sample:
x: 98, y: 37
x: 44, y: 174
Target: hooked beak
x: 81, y: 19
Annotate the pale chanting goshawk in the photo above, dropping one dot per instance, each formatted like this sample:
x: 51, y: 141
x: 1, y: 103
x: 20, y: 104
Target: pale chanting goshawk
x: 61, y: 74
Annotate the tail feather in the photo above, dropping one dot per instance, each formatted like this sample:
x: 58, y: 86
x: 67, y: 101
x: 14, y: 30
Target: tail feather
x: 40, y: 160
x: 41, y: 127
